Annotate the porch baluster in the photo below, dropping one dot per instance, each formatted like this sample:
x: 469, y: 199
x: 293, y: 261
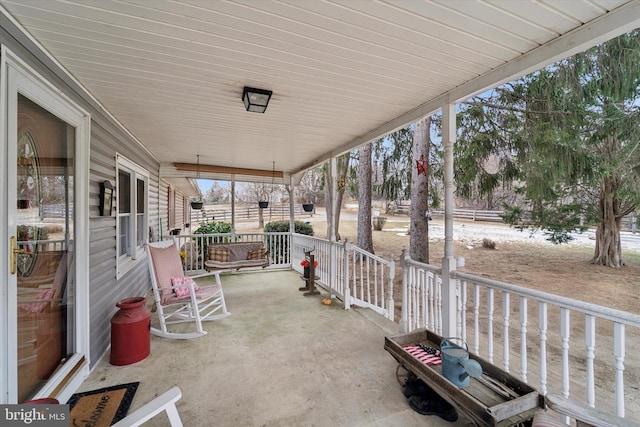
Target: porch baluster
x: 413, y: 298
x: 438, y: 305
x: 345, y: 275
x: 590, y: 343
x: 378, y: 296
x: 419, y: 289
x: 432, y: 319
x: 490, y: 308
x: 505, y: 333
x: 463, y: 309
x: 390, y: 297
x: 565, y: 327
x: 542, y: 325
x: 361, y: 281
x: 476, y: 318
x: 430, y: 289
x: 619, y: 353
x: 523, y: 338
x: 404, y: 316
x: 354, y: 269
x: 366, y: 280
x: 421, y: 296
x: 458, y: 310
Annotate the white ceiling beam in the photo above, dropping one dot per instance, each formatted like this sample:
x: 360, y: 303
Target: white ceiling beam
x: 619, y: 21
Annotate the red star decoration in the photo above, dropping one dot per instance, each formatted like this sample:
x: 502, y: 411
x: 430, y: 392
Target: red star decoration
x: 422, y: 166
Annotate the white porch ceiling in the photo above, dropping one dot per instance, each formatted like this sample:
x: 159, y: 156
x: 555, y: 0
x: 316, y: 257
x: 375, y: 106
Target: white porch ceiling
x: 342, y: 72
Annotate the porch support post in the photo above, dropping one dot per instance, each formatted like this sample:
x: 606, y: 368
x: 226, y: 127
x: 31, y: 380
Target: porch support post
x: 345, y: 276
x: 233, y: 208
x: 292, y: 219
x: 333, y: 172
x: 292, y: 213
x: 333, y: 264
x: 404, y: 314
x: 448, y: 261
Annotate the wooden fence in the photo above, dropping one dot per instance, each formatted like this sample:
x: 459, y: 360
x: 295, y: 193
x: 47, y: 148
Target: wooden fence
x: 629, y: 222
x: 272, y: 213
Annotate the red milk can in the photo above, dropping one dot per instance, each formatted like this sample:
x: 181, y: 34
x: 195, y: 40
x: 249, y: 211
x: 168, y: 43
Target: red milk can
x: 130, y: 332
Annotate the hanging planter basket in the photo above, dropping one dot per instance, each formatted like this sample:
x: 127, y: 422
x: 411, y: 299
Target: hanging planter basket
x: 307, y: 207
x: 263, y: 205
x: 197, y: 205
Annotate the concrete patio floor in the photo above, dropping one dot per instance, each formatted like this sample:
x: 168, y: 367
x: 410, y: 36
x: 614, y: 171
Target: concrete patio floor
x: 280, y: 359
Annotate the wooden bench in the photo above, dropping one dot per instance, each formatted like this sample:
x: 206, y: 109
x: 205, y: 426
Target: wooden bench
x: 236, y: 255
x: 495, y: 399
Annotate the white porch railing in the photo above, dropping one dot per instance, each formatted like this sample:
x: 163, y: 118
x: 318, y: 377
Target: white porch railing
x: 519, y: 336
x: 599, y: 371
x: 346, y: 271
x: 421, y: 296
x: 329, y: 256
x: 371, y: 280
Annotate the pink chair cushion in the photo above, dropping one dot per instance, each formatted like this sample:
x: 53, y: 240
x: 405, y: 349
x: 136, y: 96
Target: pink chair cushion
x: 203, y: 293
x: 180, y: 281
x: 167, y: 265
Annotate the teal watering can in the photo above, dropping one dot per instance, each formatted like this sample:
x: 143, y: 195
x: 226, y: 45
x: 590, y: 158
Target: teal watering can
x: 456, y: 365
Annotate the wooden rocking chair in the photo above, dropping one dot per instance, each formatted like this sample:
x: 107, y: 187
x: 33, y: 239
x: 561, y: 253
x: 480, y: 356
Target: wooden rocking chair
x: 178, y: 298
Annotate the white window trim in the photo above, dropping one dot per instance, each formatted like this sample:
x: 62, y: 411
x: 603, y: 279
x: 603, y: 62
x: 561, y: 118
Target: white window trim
x: 127, y: 262
x: 171, y: 204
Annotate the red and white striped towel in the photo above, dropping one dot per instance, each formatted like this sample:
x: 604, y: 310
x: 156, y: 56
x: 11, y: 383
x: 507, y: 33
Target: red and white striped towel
x: 426, y: 357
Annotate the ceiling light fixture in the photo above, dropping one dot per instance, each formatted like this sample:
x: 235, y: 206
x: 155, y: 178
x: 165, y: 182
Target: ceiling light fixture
x: 256, y: 100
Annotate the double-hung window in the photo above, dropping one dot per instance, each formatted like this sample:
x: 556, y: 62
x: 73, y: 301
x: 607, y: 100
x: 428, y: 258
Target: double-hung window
x: 132, y: 185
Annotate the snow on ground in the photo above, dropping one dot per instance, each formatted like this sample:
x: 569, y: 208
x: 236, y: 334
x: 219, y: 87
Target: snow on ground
x: 472, y: 233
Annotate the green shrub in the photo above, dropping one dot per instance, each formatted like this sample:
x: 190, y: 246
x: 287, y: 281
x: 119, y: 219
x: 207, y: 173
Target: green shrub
x: 213, y: 228
x: 279, y: 249
x: 283, y: 226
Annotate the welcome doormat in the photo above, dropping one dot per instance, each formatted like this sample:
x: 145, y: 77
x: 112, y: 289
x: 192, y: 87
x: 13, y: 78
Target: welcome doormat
x: 103, y: 407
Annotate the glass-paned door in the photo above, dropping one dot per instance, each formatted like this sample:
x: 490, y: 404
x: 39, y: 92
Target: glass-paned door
x: 43, y: 246
x: 44, y: 224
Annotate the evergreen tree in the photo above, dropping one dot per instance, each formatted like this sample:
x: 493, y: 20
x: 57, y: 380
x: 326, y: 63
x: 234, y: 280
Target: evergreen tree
x: 567, y: 138
x: 392, y: 155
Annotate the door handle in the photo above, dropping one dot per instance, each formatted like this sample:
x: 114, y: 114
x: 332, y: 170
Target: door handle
x: 15, y: 251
